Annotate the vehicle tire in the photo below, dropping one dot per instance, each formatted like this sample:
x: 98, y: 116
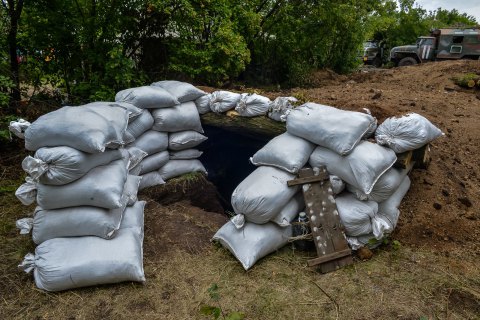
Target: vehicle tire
x: 407, y: 61
x: 377, y: 62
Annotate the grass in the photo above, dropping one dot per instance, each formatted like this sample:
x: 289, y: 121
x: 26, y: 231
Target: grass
x: 401, y: 283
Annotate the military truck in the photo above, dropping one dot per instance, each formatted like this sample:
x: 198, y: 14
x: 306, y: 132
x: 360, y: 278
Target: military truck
x: 442, y: 44
x: 373, y: 53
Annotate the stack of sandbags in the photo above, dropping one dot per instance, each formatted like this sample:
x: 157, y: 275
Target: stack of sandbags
x: 79, y: 179
x: 318, y: 135
x: 168, y: 130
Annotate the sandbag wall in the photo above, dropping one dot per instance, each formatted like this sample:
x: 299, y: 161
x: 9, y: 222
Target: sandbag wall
x: 88, y: 165
x: 319, y: 135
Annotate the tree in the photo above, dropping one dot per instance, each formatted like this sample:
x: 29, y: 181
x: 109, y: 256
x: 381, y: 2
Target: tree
x: 14, y: 10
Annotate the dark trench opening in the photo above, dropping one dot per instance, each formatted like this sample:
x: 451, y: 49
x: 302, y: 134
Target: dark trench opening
x: 226, y: 156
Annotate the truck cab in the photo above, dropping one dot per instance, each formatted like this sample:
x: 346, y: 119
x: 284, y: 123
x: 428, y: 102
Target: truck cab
x: 372, y: 53
x: 442, y: 44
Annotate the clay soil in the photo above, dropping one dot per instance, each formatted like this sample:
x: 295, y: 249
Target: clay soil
x: 433, y: 275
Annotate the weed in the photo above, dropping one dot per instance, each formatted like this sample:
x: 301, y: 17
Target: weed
x: 216, y: 311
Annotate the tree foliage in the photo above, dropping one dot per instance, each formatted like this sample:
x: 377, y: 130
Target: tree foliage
x: 89, y: 49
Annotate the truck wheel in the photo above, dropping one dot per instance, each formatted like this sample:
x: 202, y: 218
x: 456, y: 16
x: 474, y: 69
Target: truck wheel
x: 407, y: 61
x: 377, y: 62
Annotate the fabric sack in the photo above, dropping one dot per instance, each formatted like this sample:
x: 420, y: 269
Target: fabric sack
x: 151, y: 142
x: 147, y: 97
x: 178, y: 118
x: 278, y: 109
x: 222, y: 101
x: 203, y: 104
x: 185, y: 140
x: 141, y: 124
x: 329, y: 127
x: 287, y: 152
x: 290, y: 211
x: 154, y: 162
x: 356, y: 215
x: 182, y: 91
x: 252, y: 105
x: 186, y: 154
x: 175, y: 168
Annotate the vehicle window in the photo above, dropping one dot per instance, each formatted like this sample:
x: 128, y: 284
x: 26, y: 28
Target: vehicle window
x: 457, y: 39
x: 428, y: 42
x: 472, y: 40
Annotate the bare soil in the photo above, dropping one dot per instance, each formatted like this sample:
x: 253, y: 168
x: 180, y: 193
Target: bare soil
x: 435, y: 274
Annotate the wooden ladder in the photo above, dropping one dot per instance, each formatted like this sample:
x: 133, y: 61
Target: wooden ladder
x: 326, y: 227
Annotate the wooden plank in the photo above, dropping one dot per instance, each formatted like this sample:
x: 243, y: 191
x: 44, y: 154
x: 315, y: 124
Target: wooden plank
x: 329, y: 257
x: 404, y: 160
x: 324, y: 221
x: 321, y: 177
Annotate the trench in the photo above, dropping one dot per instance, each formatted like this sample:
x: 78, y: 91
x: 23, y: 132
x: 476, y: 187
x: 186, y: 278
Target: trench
x: 226, y: 156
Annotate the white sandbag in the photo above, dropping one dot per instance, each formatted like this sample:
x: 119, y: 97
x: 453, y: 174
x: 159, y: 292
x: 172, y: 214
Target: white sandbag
x: 337, y: 184
x: 385, y: 186
x: 80, y: 128
x: 186, y: 154
x: 154, y: 162
x: 141, y: 124
x: 406, y: 133
x: 151, y: 179
x: 151, y: 142
x: 175, y: 168
x: 178, y: 118
x: 133, y: 216
x: 279, y: 108
x: 135, y: 156
x: 62, y: 165
x: 67, y: 263
x: 183, y: 91
x: 203, y: 104
x: 286, y: 151
x: 147, y: 97
x: 130, y: 190
x: 18, y: 128
x: 253, y: 242
x: 362, y: 168
x: 263, y: 194
x: 386, y: 219
x: 73, y: 222
x: 367, y: 240
x: 222, y: 101
x: 356, y: 215
x: 290, y: 211
x: 185, y: 140
x: 329, y: 127
x: 252, y: 105
x: 133, y: 112
x: 100, y: 187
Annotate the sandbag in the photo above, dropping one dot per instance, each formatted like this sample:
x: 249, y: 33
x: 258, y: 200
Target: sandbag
x: 222, y: 101
x: 133, y: 216
x: 73, y: 222
x: 150, y: 179
x: 130, y: 189
x: 141, y: 124
x: 186, y: 154
x: 362, y: 168
x: 18, y: 128
x: 406, y: 133
x: 183, y: 91
x: 83, y: 129
x: 356, y: 215
x: 62, y: 165
x: 100, y: 187
x: 147, y: 97
x: 329, y: 127
x: 175, y: 168
x: 279, y: 108
x: 287, y: 152
x: 290, y: 211
x: 185, y: 140
x: 67, y: 263
x: 385, y: 186
x: 253, y: 242
x: 178, y: 118
x: 133, y: 112
x: 252, y: 105
x: 151, y: 142
x: 263, y: 194
x: 203, y: 104
x: 386, y: 219
x: 367, y: 240
x: 154, y: 162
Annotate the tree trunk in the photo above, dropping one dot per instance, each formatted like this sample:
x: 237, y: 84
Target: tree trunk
x: 14, y: 13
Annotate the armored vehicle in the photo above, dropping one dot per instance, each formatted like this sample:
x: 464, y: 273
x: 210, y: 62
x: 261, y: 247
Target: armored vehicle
x: 442, y: 44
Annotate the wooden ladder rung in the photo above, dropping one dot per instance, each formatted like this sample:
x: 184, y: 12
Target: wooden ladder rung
x: 329, y: 257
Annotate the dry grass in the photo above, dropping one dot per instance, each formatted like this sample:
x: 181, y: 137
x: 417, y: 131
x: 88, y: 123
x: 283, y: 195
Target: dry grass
x: 395, y: 284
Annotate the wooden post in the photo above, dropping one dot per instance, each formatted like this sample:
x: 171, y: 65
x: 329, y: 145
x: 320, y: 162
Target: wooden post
x: 327, y: 229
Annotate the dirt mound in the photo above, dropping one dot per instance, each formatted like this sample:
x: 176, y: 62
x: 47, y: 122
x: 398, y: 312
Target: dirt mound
x: 440, y: 209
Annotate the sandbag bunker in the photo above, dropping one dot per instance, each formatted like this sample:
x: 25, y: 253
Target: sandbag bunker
x: 90, y: 161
